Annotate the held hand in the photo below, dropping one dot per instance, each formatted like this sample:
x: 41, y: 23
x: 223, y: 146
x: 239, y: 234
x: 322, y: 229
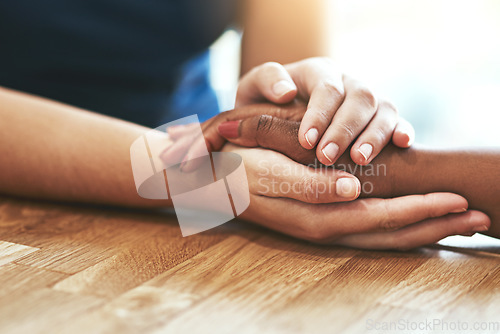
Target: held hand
x: 188, y: 143
x: 281, y: 193
x: 337, y: 110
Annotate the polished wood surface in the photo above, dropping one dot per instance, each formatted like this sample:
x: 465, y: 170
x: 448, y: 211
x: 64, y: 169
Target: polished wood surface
x: 80, y: 269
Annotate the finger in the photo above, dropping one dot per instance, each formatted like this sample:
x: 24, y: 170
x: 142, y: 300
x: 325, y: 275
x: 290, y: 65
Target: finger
x: 198, y: 148
x: 404, y: 134
x: 269, y: 132
x: 278, y: 176
x: 352, y: 117
x: 376, y: 135
x: 225, y: 125
x: 177, y: 131
x: 188, y: 142
x: 324, y: 223
x: 395, y: 213
x: 326, y: 99
x: 386, y: 215
x: 423, y: 233
x: 217, y: 128
x: 319, y: 82
x: 269, y: 81
x: 177, y: 152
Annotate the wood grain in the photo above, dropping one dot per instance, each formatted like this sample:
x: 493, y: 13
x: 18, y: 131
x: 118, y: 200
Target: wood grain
x: 10, y: 251
x: 79, y: 269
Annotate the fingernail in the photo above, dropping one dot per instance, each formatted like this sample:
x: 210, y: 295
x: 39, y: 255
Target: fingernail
x: 312, y: 136
x: 480, y: 228
x: 409, y: 140
x: 347, y: 187
x: 366, y: 151
x: 409, y: 137
x: 459, y: 210
x: 229, y: 129
x: 330, y: 151
x: 282, y: 87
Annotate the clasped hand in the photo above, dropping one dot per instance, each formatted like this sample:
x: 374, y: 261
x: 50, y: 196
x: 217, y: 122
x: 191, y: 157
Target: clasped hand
x: 320, y: 204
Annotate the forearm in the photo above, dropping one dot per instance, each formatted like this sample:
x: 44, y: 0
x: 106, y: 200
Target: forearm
x: 472, y: 173
x: 53, y: 151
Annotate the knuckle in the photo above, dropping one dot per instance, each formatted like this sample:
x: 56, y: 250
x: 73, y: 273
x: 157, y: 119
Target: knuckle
x: 388, y: 222
x: 380, y: 136
x: 387, y: 105
x: 310, y: 187
x: 270, y: 67
x: 430, y: 202
x: 366, y: 96
x: 264, y: 124
x: 347, y: 130
x: 333, y: 88
x: 263, y: 128
x: 322, y: 116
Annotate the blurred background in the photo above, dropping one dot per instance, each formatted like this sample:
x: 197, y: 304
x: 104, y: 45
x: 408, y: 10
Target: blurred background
x: 438, y: 61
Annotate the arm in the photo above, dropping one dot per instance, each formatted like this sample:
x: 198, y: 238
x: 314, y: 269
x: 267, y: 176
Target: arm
x: 53, y: 151
x: 472, y: 173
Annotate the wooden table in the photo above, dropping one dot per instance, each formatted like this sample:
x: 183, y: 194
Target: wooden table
x: 79, y: 269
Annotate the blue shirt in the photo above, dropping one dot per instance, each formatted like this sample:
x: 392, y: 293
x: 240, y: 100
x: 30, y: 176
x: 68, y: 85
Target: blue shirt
x: 140, y: 60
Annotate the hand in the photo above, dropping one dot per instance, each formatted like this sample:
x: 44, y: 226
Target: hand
x: 339, y: 109
x: 188, y: 143
x: 281, y: 193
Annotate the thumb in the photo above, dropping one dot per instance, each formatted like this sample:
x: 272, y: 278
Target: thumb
x: 269, y: 81
x: 214, y: 138
x: 269, y: 132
